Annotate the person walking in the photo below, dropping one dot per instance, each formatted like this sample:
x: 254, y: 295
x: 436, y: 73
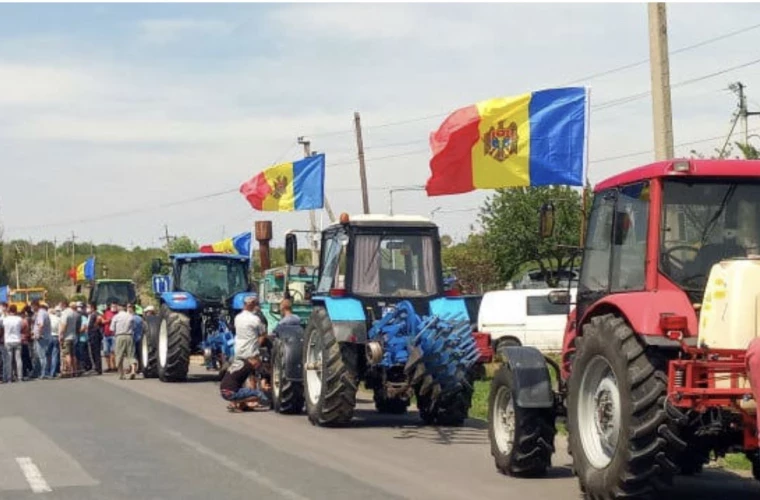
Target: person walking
x: 68, y: 330
x: 12, y: 325
x: 95, y: 337
x: 123, y: 329
x: 248, y: 328
x: 41, y: 335
x: 137, y: 334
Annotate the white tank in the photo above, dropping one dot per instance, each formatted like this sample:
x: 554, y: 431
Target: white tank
x: 729, y: 319
x: 729, y: 315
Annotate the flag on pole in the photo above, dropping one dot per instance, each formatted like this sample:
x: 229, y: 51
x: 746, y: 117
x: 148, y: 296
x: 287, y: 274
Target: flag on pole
x: 298, y: 185
x: 533, y: 139
x: 240, y: 245
x: 84, y: 271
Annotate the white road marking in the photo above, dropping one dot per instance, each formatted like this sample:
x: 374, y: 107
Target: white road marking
x: 33, y: 475
x: 232, y: 465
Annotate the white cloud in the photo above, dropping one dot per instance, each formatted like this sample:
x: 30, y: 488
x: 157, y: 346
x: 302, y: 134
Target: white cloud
x: 28, y: 84
x: 163, y: 31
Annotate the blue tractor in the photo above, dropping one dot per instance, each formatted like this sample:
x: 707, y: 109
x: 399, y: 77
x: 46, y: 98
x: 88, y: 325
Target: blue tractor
x: 380, y: 316
x: 198, y: 302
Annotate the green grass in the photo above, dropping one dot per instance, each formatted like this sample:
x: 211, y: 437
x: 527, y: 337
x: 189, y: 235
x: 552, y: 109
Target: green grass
x: 735, y: 461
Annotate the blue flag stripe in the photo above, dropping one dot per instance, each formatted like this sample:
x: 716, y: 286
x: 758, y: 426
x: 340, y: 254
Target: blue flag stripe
x: 309, y: 183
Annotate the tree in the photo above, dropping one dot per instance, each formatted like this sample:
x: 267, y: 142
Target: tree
x: 183, y: 244
x: 510, y: 220
x: 472, y: 264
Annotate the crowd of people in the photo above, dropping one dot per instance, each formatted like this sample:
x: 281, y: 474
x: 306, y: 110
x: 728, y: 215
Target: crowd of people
x: 74, y: 339
x: 69, y: 340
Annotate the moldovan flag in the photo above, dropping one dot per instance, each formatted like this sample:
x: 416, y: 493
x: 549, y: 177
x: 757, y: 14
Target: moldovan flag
x: 286, y: 187
x: 240, y: 245
x: 534, y: 139
x: 84, y: 271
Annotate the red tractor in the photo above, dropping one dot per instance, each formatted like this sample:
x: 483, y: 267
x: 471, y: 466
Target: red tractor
x: 653, y: 378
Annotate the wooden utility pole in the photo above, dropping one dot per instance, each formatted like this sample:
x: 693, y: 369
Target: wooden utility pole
x: 55, y: 255
x: 167, y: 239
x: 743, y: 112
x: 73, y: 238
x: 362, y: 168
x: 660, y: 69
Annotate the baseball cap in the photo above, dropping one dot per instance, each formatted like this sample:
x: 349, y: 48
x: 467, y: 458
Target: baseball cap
x: 251, y: 299
x: 149, y: 309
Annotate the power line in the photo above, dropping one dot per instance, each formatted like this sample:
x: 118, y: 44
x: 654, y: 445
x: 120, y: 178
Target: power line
x: 672, y: 53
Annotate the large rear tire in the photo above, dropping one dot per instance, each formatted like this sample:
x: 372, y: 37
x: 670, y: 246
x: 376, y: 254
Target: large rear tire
x: 522, y: 439
x: 330, y: 377
x: 149, y: 347
x: 621, y: 444
x: 173, y: 346
x: 287, y: 395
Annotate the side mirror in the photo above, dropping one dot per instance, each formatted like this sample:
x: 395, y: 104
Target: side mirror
x: 291, y: 249
x: 274, y: 308
x: 155, y: 266
x: 546, y: 220
x: 559, y: 297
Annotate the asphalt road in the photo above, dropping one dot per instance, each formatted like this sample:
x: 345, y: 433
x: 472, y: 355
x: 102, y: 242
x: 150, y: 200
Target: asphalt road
x: 102, y: 438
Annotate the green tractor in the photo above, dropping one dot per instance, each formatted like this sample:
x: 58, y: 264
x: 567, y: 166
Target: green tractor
x: 296, y: 283
x: 105, y: 291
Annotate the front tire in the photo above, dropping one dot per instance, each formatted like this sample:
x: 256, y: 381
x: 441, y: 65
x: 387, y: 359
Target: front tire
x: 330, y: 377
x: 522, y: 439
x: 149, y: 347
x: 173, y: 346
x: 287, y: 395
x: 618, y: 427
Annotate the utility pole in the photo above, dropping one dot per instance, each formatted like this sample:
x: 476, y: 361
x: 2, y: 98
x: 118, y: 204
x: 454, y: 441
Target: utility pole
x: 55, y: 255
x: 167, y: 239
x: 743, y: 112
x: 660, y: 69
x: 312, y: 214
x: 73, y: 238
x: 362, y: 168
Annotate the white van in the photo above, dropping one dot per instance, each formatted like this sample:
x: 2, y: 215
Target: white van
x: 524, y: 317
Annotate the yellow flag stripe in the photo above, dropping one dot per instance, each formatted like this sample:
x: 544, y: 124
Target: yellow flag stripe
x: 281, y: 197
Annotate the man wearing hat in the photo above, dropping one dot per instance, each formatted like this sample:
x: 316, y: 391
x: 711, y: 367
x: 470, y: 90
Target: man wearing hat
x: 41, y: 334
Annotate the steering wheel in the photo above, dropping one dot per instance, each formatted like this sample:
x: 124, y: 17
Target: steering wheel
x: 669, y: 258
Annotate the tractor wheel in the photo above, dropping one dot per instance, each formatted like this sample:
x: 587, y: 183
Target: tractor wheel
x: 754, y: 458
x: 287, y: 395
x: 149, y: 347
x: 329, y: 373
x: 384, y: 404
x: 522, y: 439
x: 621, y: 444
x: 173, y: 346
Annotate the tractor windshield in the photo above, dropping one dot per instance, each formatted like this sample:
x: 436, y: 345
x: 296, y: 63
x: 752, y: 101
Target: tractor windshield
x: 704, y: 222
x: 122, y: 292
x: 212, y: 279
x: 395, y: 266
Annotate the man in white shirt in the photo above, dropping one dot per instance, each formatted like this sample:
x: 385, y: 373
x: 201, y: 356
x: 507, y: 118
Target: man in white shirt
x: 122, y: 326
x: 54, y: 346
x: 12, y: 338
x: 248, y: 328
x: 68, y: 331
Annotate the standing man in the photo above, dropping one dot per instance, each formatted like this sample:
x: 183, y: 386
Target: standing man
x: 54, y: 347
x: 41, y: 335
x: 108, y: 339
x: 248, y: 327
x: 68, y: 330
x: 12, y: 325
x: 83, y: 343
x: 138, y: 333
x: 95, y: 337
x: 123, y: 329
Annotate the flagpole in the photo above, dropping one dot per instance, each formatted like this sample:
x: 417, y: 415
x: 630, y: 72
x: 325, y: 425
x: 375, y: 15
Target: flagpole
x: 584, y: 196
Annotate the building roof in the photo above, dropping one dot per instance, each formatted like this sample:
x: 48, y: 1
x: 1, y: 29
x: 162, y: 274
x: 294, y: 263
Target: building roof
x: 697, y: 168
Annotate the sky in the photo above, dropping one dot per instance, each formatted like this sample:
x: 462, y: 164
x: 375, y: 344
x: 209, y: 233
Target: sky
x: 134, y: 109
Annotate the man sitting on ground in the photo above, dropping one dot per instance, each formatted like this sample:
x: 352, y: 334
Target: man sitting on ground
x: 235, y: 386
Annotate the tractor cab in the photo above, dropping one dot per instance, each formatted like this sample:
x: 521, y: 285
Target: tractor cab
x: 380, y: 261
x: 295, y: 283
x: 107, y: 291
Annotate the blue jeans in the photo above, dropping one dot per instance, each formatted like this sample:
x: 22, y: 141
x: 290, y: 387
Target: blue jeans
x: 41, y: 353
x: 12, y: 352
x: 244, y: 393
x: 54, y: 351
